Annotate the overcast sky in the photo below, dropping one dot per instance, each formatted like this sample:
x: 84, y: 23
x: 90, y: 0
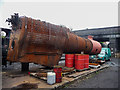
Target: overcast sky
x: 75, y: 15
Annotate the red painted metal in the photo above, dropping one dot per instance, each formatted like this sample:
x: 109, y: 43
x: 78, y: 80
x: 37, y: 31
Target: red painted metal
x: 58, y: 71
x: 69, y: 60
x: 96, y: 47
x: 90, y: 37
x: 79, y: 61
x: 86, y: 61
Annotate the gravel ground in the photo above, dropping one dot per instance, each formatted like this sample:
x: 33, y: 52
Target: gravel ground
x: 107, y: 78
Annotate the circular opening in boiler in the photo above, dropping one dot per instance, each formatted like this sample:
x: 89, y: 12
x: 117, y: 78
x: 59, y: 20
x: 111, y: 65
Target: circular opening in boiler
x: 13, y: 44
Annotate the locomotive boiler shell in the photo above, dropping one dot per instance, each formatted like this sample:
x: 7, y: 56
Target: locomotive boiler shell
x: 43, y: 43
x: 96, y: 47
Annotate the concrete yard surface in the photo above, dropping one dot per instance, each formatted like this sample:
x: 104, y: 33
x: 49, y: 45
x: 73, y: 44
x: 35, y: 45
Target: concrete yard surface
x: 15, y: 78
x: 107, y: 78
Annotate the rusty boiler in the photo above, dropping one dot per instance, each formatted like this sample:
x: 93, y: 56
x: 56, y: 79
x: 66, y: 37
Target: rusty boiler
x: 43, y: 43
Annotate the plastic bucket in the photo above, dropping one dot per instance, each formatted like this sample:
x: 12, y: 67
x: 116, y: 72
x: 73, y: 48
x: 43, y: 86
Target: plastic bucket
x: 51, y: 77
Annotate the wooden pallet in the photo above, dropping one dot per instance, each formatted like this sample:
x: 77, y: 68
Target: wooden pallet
x: 68, y: 73
x: 34, y: 75
x: 83, y: 69
x: 76, y: 75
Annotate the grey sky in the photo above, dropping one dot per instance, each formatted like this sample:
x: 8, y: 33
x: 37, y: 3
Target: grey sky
x: 77, y: 15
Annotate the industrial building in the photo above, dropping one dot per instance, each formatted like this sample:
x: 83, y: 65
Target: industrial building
x: 110, y: 34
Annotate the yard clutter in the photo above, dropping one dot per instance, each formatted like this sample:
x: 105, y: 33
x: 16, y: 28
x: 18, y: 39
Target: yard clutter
x: 94, y: 65
x: 51, y: 77
x: 74, y: 63
x: 58, y: 71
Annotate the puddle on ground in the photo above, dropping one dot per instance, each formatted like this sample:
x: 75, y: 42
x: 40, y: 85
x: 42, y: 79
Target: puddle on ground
x: 112, y: 64
x: 25, y: 86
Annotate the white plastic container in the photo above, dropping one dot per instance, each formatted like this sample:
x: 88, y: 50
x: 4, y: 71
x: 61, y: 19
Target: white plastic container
x: 51, y: 77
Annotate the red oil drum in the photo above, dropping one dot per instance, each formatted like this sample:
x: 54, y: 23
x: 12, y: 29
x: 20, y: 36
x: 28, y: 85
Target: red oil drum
x: 86, y: 61
x: 79, y: 61
x: 58, y: 71
x: 69, y: 60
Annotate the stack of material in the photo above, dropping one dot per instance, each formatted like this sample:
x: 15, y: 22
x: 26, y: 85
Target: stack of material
x: 94, y: 65
x: 42, y: 76
x: 79, y: 61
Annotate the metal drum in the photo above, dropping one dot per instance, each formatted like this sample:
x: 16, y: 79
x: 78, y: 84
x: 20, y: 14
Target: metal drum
x: 86, y: 61
x: 79, y: 61
x: 58, y: 71
x: 69, y: 60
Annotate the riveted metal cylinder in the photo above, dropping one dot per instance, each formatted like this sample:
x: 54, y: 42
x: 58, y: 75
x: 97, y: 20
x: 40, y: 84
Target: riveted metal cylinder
x: 43, y: 43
